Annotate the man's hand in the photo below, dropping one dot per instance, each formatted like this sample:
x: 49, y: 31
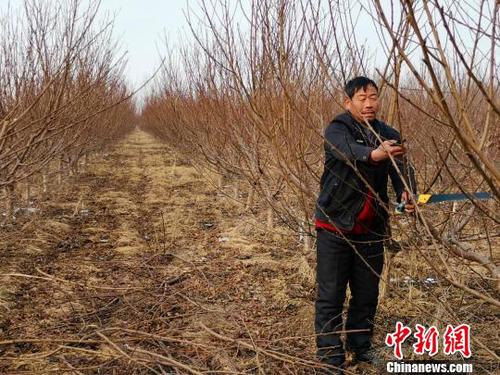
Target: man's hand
x: 385, y: 149
x: 410, y: 205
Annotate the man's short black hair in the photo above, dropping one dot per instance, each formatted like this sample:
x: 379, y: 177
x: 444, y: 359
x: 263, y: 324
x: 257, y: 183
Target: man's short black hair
x: 358, y: 83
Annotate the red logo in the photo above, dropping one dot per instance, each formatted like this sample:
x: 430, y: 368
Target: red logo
x: 457, y: 339
x: 397, y: 338
x: 427, y: 340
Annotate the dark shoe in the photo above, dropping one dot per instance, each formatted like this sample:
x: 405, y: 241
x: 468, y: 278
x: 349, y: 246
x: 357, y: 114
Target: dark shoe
x: 333, y: 358
x: 334, y: 370
x: 367, y: 356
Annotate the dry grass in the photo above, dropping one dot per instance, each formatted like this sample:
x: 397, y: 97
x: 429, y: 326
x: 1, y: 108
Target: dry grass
x: 163, y: 274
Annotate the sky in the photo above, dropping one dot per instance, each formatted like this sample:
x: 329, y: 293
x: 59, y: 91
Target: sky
x: 140, y: 27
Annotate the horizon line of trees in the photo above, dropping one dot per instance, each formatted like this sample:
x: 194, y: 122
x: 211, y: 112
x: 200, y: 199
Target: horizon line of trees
x: 62, y: 92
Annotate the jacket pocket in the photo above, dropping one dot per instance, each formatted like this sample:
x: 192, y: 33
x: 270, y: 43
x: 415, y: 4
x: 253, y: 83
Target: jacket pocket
x: 346, y: 200
x: 330, y: 185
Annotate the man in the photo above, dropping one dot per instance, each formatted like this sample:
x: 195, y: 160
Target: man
x: 352, y: 221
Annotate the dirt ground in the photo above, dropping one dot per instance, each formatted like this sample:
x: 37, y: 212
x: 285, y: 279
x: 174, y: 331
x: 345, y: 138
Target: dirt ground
x: 133, y: 263
x: 138, y: 265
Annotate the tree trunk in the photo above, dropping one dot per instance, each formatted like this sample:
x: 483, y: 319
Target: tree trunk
x: 45, y: 181
x: 307, y: 242
x: 385, y: 277
x: 27, y: 192
x: 269, y: 218
x: 172, y: 170
x: 251, y: 197
x: 307, y: 237
x: 10, y: 201
x: 59, y: 175
x: 235, y: 191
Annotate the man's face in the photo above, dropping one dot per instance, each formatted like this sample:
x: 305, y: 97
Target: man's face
x: 364, y: 104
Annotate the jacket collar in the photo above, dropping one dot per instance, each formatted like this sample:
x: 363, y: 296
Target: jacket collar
x: 347, y: 118
x: 349, y: 115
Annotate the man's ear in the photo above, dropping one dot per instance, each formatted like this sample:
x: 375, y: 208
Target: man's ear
x: 347, y: 102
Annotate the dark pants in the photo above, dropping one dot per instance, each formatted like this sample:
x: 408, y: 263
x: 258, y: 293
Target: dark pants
x: 337, y: 265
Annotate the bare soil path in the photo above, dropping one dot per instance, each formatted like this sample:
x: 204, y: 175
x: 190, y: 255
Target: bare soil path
x: 137, y: 265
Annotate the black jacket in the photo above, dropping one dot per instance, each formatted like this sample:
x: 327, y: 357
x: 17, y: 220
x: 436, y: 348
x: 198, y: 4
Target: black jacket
x: 348, y: 171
